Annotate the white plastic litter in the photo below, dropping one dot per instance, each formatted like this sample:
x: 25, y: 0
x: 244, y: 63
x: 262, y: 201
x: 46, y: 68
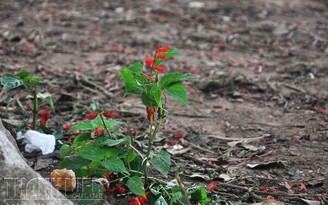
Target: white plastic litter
x: 35, y: 140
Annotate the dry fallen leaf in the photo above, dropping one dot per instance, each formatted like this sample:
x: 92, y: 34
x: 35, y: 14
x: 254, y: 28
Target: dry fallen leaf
x: 269, y: 202
x: 63, y: 179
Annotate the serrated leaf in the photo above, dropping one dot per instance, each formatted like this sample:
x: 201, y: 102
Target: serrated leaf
x: 178, y: 91
x: 156, y: 93
x: 146, y: 100
x: 171, y: 78
x: 65, y: 150
x: 161, y: 162
x: 114, y: 164
x: 50, y: 102
x: 136, y: 186
x: 136, y: 68
x: 82, y: 126
x: 73, y: 163
x: 132, y: 85
x: 91, y: 194
x: 109, y: 123
x: 81, y: 139
x: 92, y: 153
x: 10, y: 82
x: 168, y: 54
x: 111, y: 142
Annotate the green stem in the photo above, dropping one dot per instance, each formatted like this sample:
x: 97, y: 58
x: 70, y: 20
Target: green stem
x: 35, y: 108
x: 150, y: 142
x: 103, y: 121
x: 182, y: 189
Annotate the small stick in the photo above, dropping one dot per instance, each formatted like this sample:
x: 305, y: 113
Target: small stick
x: 182, y: 189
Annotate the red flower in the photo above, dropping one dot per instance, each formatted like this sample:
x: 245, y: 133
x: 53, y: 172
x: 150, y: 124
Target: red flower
x: 120, y: 189
x: 151, y: 114
x: 99, y: 131
x: 67, y: 126
x: 103, y: 182
x: 44, y: 116
x: 91, y: 116
x: 133, y: 201
x: 162, y: 56
x: 160, y: 69
x: 108, y: 176
x: 110, y: 114
x: 148, y: 61
x: 163, y: 49
x: 142, y: 200
x: 111, y: 191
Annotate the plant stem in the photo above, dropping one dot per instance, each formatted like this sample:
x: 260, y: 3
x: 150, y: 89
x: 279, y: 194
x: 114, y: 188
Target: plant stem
x: 103, y: 121
x: 139, y: 153
x: 150, y: 142
x: 182, y: 189
x: 35, y: 107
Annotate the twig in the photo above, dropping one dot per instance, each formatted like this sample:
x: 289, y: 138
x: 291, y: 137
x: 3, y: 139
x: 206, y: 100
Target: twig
x: 103, y: 121
x: 84, y: 80
x: 237, y: 138
x: 199, y: 147
x: 182, y: 189
x: 201, y: 162
x: 294, y: 88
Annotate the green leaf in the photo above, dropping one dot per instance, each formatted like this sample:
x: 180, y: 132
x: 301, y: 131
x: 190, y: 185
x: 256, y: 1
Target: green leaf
x: 114, y: 164
x: 156, y: 93
x: 82, y: 126
x: 50, y: 102
x: 178, y: 91
x: 23, y: 75
x: 109, y: 123
x: 111, y: 142
x: 91, y: 194
x: 136, y: 186
x: 65, y: 150
x: 74, y: 163
x: 146, y: 100
x: 161, y: 162
x: 160, y: 201
x: 171, y: 78
x: 132, y: 85
x: 168, y: 54
x: 81, y: 139
x: 200, y: 194
x: 10, y: 82
x: 136, y: 68
x: 92, y: 152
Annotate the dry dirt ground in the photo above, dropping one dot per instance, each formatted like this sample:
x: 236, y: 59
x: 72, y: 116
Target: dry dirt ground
x: 258, y: 108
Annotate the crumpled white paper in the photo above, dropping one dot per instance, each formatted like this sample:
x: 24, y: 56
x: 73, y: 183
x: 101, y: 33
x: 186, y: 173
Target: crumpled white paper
x: 35, y: 140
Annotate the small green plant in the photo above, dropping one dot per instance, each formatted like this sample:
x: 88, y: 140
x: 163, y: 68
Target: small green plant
x: 30, y: 84
x: 99, y: 149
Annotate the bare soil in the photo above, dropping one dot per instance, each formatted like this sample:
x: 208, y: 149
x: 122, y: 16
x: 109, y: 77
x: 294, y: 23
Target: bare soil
x: 258, y: 108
